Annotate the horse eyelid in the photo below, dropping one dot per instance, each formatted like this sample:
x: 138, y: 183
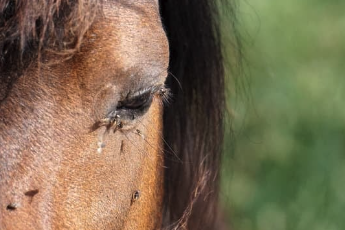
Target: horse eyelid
x: 156, y: 90
x: 161, y: 92
x: 139, y: 102
x: 153, y: 90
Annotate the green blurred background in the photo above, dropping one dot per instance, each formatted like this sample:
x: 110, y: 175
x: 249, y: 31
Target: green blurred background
x: 287, y: 171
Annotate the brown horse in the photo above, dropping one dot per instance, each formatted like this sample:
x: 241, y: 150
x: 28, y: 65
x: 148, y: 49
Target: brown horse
x: 82, y: 87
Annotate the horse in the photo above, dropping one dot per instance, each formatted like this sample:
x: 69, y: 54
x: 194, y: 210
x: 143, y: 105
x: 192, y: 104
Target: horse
x: 111, y: 114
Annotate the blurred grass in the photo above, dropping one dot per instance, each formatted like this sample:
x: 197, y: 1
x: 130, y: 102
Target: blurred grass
x: 288, y: 169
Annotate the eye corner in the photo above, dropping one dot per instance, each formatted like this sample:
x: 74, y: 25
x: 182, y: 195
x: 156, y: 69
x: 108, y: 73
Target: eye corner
x: 164, y: 94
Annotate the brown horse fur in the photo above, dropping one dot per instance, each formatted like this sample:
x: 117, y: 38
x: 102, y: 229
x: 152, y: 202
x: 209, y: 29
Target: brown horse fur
x: 64, y: 64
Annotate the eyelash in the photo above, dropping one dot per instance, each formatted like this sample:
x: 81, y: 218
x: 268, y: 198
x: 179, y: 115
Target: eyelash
x: 143, y: 98
x: 133, y: 106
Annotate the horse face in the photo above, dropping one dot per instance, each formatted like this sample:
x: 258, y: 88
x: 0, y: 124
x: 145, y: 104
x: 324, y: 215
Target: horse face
x: 80, y: 141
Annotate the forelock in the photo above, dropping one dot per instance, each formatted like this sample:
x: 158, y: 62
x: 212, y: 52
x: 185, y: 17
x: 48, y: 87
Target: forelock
x: 28, y: 28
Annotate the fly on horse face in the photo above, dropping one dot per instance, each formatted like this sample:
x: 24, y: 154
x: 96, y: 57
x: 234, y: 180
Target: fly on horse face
x: 86, y: 141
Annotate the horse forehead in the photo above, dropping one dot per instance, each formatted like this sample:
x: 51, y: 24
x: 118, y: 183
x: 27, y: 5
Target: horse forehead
x: 133, y: 36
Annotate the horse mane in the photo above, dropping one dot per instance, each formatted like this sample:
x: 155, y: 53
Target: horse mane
x: 194, y: 121
x: 27, y: 28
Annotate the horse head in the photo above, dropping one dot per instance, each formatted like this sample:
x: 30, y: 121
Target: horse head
x: 85, y: 139
x: 81, y: 137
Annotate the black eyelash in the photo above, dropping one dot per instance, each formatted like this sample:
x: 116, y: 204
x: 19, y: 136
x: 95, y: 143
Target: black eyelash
x: 138, y: 101
x: 136, y: 104
x: 133, y: 106
x: 133, y: 101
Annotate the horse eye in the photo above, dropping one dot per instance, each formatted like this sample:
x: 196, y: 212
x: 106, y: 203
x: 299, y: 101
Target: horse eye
x: 133, y: 106
x: 137, y: 102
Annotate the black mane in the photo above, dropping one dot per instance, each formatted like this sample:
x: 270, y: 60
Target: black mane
x: 194, y: 122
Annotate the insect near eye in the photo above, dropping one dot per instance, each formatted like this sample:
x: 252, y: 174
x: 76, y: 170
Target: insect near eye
x: 133, y: 106
x: 140, y: 101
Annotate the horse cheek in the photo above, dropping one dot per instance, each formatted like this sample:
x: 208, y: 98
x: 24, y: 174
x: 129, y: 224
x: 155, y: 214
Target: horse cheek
x: 146, y: 212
